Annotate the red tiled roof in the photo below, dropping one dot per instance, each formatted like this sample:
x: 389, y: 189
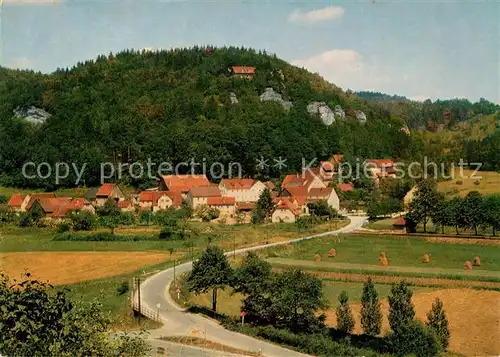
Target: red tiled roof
x: 35, y: 196
x: 300, y: 200
x: 124, y: 204
x: 346, y: 187
x: 381, y: 162
x: 326, y: 165
x: 105, y: 190
x: 154, y: 196
x: 221, y: 201
x: 52, y: 205
x: 296, y: 190
x: 208, y: 191
x: 184, y: 183
x: 285, y: 203
x: 243, y: 70
x: 336, y: 159
x: 293, y: 180
x: 65, y: 205
x: 238, y: 184
x: 245, y: 205
x: 16, y: 200
x: 320, y: 192
x: 147, y: 196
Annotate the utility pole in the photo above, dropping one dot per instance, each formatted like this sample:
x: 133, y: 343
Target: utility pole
x: 234, y: 248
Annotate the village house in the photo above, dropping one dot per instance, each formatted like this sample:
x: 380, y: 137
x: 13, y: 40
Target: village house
x: 225, y: 205
x: 31, y: 198
x: 285, y: 211
x: 182, y: 183
x: 326, y: 171
x: 309, y: 187
x: 159, y: 200
x: 336, y: 161
x: 243, y: 71
x: 198, y: 196
x: 346, y: 187
x: 18, y: 202
x: 243, y: 190
x: 107, y: 191
x: 380, y: 168
x: 126, y: 206
x: 67, y: 205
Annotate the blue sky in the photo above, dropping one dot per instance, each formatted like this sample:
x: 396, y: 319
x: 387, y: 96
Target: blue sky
x: 421, y: 49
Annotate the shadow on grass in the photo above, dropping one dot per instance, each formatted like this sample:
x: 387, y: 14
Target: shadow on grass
x: 377, y: 344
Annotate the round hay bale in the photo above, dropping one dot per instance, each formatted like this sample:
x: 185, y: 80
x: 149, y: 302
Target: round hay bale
x: 467, y: 265
x: 426, y: 258
x: 332, y: 253
x: 383, y: 261
x: 476, y: 261
x: 317, y: 258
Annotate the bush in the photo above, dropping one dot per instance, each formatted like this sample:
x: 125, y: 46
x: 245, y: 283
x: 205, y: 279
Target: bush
x: 123, y: 288
x: 63, y: 227
x: 3, y: 199
x: 459, y: 182
x: 414, y: 338
x: 304, y: 222
x: 25, y: 221
x: 83, y: 221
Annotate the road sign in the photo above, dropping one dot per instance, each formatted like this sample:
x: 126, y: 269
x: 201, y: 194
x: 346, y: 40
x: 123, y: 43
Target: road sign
x: 243, y: 314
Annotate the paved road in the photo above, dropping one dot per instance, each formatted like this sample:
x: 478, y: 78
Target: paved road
x: 154, y: 290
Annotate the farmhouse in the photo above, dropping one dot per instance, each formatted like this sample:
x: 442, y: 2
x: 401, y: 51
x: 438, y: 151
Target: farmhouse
x: 243, y: 190
x: 18, y: 202
x: 182, y: 183
x: 159, y: 200
x: 285, y: 211
x: 225, y: 205
x: 381, y: 168
x: 198, y: 196
x: 107, y: 191
x: 243, y: 71
x: 66, y: 205
x: 126, y: 206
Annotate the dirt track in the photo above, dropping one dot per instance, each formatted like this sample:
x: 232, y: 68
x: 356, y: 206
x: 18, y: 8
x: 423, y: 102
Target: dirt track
x: 473, y: 315
x: 61, y: 268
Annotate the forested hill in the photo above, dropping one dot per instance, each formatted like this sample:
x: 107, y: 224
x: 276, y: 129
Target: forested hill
x: 176, y: 105
x: 181, y: 104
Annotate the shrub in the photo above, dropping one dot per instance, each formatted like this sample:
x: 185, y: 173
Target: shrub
x: 25, y: 221
x: 123, y: 288
x: 414, y: 338
x: 3, y: 199
x: 83, y: 221
x: 459, y: 182
x: 303, y: 222
x: 63, y: 227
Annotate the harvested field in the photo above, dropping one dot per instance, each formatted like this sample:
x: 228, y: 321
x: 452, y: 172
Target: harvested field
x: 471, y: 241
x: 383, y: 279
x: 473, y: 315
x: 71, y: 267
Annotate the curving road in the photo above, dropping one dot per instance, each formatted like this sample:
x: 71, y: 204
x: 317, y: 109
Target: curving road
x: 176, y: 322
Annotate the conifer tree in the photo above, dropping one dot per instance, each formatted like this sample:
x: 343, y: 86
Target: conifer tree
x: 371, y: 316
x: 401, y: 310
x: 345, y: 320
x: 436, y: 320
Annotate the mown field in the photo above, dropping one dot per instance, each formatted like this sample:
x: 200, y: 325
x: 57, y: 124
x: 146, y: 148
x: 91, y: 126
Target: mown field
x: 96, y: 270
x: 468, y: 296
x: 485, y: 182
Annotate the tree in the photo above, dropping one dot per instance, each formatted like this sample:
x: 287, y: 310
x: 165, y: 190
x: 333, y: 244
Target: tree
x: 491, y: 211
x: 436, y: 319
x: 265, y: 204
x: 414, y: 338
x: 425, y: 203
x: 207, y: 213
x: 345, y: 320
x: 36, y: 320
x: 253, y: 276
x: 211, y: 271
x: 82, y: 221
x: 472, y: 213
x: 401, y: 310
x: 321, y: 208
x: 109, y: 208
x: 371, y: 315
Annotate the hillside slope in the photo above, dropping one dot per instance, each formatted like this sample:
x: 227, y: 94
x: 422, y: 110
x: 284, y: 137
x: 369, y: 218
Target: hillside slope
x: 177, y: 105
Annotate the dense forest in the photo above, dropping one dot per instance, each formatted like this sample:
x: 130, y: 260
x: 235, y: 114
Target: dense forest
x: 171, y: 106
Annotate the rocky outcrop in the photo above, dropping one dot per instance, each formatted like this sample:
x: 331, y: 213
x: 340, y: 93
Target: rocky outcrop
x: 339, y: 112
x: 325, y: 113
x: 360, y: 116
x: 233, y: 98
x: 32, y: 114
x: 271, y: 95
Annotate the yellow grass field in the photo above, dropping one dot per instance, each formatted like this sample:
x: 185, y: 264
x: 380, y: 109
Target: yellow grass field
x: 473, y: 315
x: 61, y: 268
x: 463, y: 183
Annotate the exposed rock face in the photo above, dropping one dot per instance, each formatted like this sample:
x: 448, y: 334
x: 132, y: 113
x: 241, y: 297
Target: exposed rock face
x: 233, y: 98
x: 339, y: 112
x: 271, y: 95
x: 323, y: 110
x: 360, y: 116
x: 32, y: 114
